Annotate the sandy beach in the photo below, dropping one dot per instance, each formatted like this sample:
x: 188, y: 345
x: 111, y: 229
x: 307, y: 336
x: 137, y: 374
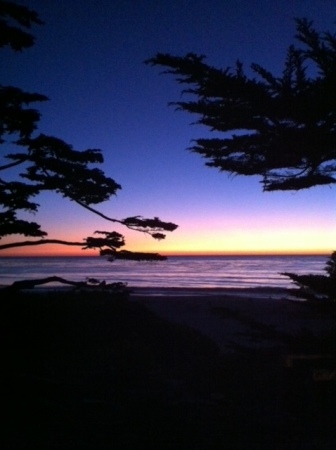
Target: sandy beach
x: 234, y: 318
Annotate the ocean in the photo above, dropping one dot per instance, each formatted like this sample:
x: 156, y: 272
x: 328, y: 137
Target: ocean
x: 176, y: 272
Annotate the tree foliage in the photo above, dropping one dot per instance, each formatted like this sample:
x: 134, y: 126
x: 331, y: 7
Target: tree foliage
x: 331, y: 266
x: 45, y: 163
x: 282, y: 128
x: 317, y: 286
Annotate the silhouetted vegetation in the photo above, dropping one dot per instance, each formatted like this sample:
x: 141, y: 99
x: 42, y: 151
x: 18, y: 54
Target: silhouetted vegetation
x: 317, y: 287
x: 331, y: 266
x: 281, y: 128
x: 116, y: 287
x: 47, y: 163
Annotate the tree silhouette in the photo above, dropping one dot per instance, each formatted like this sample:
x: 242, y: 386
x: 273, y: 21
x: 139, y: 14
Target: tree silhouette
x: 317, y: 286
x: 281, y: 128
x: 331, y: 266
x: 46, y: 163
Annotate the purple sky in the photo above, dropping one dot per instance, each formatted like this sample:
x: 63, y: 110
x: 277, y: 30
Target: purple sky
x: 89, y: 60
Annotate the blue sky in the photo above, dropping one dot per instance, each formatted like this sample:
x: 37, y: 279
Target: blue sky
x: 89, y: 60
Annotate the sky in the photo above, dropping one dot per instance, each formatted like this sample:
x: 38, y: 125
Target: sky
x: 89, y: 60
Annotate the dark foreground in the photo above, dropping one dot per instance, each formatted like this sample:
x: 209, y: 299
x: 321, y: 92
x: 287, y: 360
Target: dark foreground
x: 96, y: 371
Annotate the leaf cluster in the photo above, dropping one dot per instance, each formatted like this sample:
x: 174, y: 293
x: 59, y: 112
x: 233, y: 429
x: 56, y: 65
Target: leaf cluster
x: 14, y: 21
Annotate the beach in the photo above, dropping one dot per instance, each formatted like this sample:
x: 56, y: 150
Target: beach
x: 251, y: 318
x: 167, y: 369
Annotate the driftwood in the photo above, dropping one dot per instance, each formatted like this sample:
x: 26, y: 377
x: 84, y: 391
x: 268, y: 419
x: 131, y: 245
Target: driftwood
x: 91, y: 283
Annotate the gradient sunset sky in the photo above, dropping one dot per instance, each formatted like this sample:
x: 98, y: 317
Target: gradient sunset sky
x: 89, y: 60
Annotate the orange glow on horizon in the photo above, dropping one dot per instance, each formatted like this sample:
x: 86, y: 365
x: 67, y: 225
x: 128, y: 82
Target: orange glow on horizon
x: 94, y: 253
x: 244, y: 253
x: 200, y: 240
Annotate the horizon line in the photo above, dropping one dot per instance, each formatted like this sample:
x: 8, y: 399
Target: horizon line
x: 178, y: 254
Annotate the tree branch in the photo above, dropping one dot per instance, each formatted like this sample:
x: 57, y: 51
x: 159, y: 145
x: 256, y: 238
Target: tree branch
x: 98, y: 213
x: 90, y: 283
x: 136, y: 223
x: 13, y: 164
x: 41, y: 242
